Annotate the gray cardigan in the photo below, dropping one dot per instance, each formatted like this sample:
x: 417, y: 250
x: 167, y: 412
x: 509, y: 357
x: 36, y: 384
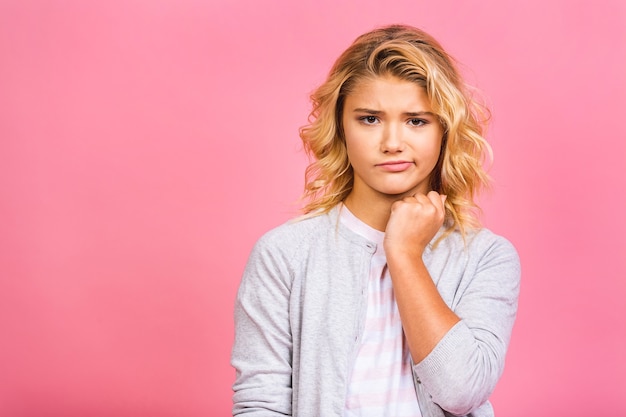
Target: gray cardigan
x: 300, y: 312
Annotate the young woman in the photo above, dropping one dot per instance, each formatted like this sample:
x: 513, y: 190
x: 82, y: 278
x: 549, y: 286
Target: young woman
x: 386, y: 298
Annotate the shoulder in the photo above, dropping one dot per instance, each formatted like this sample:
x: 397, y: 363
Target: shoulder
x: 288, y: 239
x: 295, y: 231
x: 494, y: 255
x: 488, y: 245
x: 277, y: 254
x: 477, y: 242
x: 484, y: 241
x: 480, y: 249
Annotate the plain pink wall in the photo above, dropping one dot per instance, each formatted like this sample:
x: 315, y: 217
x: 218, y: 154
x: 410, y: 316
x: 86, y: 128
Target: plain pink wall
x: 145, y: 146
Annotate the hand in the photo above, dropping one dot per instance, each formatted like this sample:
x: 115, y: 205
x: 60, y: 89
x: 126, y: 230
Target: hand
x: 413, y: 223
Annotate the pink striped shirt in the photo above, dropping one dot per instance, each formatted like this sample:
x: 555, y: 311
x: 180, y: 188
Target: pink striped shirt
x: 381, y: 383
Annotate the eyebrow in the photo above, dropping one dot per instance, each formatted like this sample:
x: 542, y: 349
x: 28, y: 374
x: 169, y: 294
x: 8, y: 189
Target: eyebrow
x: 409, y: 114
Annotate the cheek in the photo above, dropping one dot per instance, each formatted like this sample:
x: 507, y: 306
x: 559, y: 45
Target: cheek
x: 353, y: 153
x: 437, y: 144
x: 354, y: 146
x: 431, y: 154
x: 437, y: 151
x: 430, y: 149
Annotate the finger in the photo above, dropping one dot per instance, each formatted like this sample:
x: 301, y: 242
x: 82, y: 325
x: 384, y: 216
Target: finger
x: 439, y: 201
x: 422, y: 198
x: 399, y: 203
x: 436, y: 199
x: 412, y: 199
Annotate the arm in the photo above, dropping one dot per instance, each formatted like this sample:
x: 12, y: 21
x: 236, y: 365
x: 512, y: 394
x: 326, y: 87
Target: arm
x: 459, y: 354
x: 262, y: 350
x: 462, y: 370
x: 426, y: 318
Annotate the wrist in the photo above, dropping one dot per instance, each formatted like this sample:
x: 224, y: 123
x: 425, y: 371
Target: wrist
x: 402, y: 249
x: 404, y: 257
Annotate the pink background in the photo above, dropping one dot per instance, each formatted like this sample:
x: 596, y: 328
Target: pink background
x: 145, y: 146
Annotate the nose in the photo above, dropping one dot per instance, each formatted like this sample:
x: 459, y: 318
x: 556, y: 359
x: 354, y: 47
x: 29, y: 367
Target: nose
x: 392, y: 141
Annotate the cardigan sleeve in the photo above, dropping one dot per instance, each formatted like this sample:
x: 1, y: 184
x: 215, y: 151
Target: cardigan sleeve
x: 462, y: 370
x: 262, y: 350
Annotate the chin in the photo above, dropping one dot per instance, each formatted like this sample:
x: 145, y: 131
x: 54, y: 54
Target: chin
x: 398, y: 192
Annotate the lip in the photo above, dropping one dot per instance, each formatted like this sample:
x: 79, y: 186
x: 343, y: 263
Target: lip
x: 395, y: 166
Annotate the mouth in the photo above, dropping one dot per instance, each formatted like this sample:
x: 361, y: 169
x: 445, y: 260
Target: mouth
x: 395, y: 166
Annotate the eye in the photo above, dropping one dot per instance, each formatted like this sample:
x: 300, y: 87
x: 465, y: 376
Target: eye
x: 417, y: 122
x: 369, y: 120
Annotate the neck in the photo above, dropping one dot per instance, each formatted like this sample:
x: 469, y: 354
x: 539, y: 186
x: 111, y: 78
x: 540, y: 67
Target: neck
x: 373, y: 213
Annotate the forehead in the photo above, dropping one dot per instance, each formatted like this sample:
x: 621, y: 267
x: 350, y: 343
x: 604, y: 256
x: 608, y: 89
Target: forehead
x: 381, y: 92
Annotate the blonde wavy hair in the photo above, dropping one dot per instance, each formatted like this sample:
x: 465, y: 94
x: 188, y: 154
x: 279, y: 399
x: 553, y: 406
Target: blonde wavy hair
x: 412, y: 55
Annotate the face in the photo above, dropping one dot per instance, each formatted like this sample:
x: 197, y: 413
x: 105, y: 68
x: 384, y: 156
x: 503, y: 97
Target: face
x: 392, y: 137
